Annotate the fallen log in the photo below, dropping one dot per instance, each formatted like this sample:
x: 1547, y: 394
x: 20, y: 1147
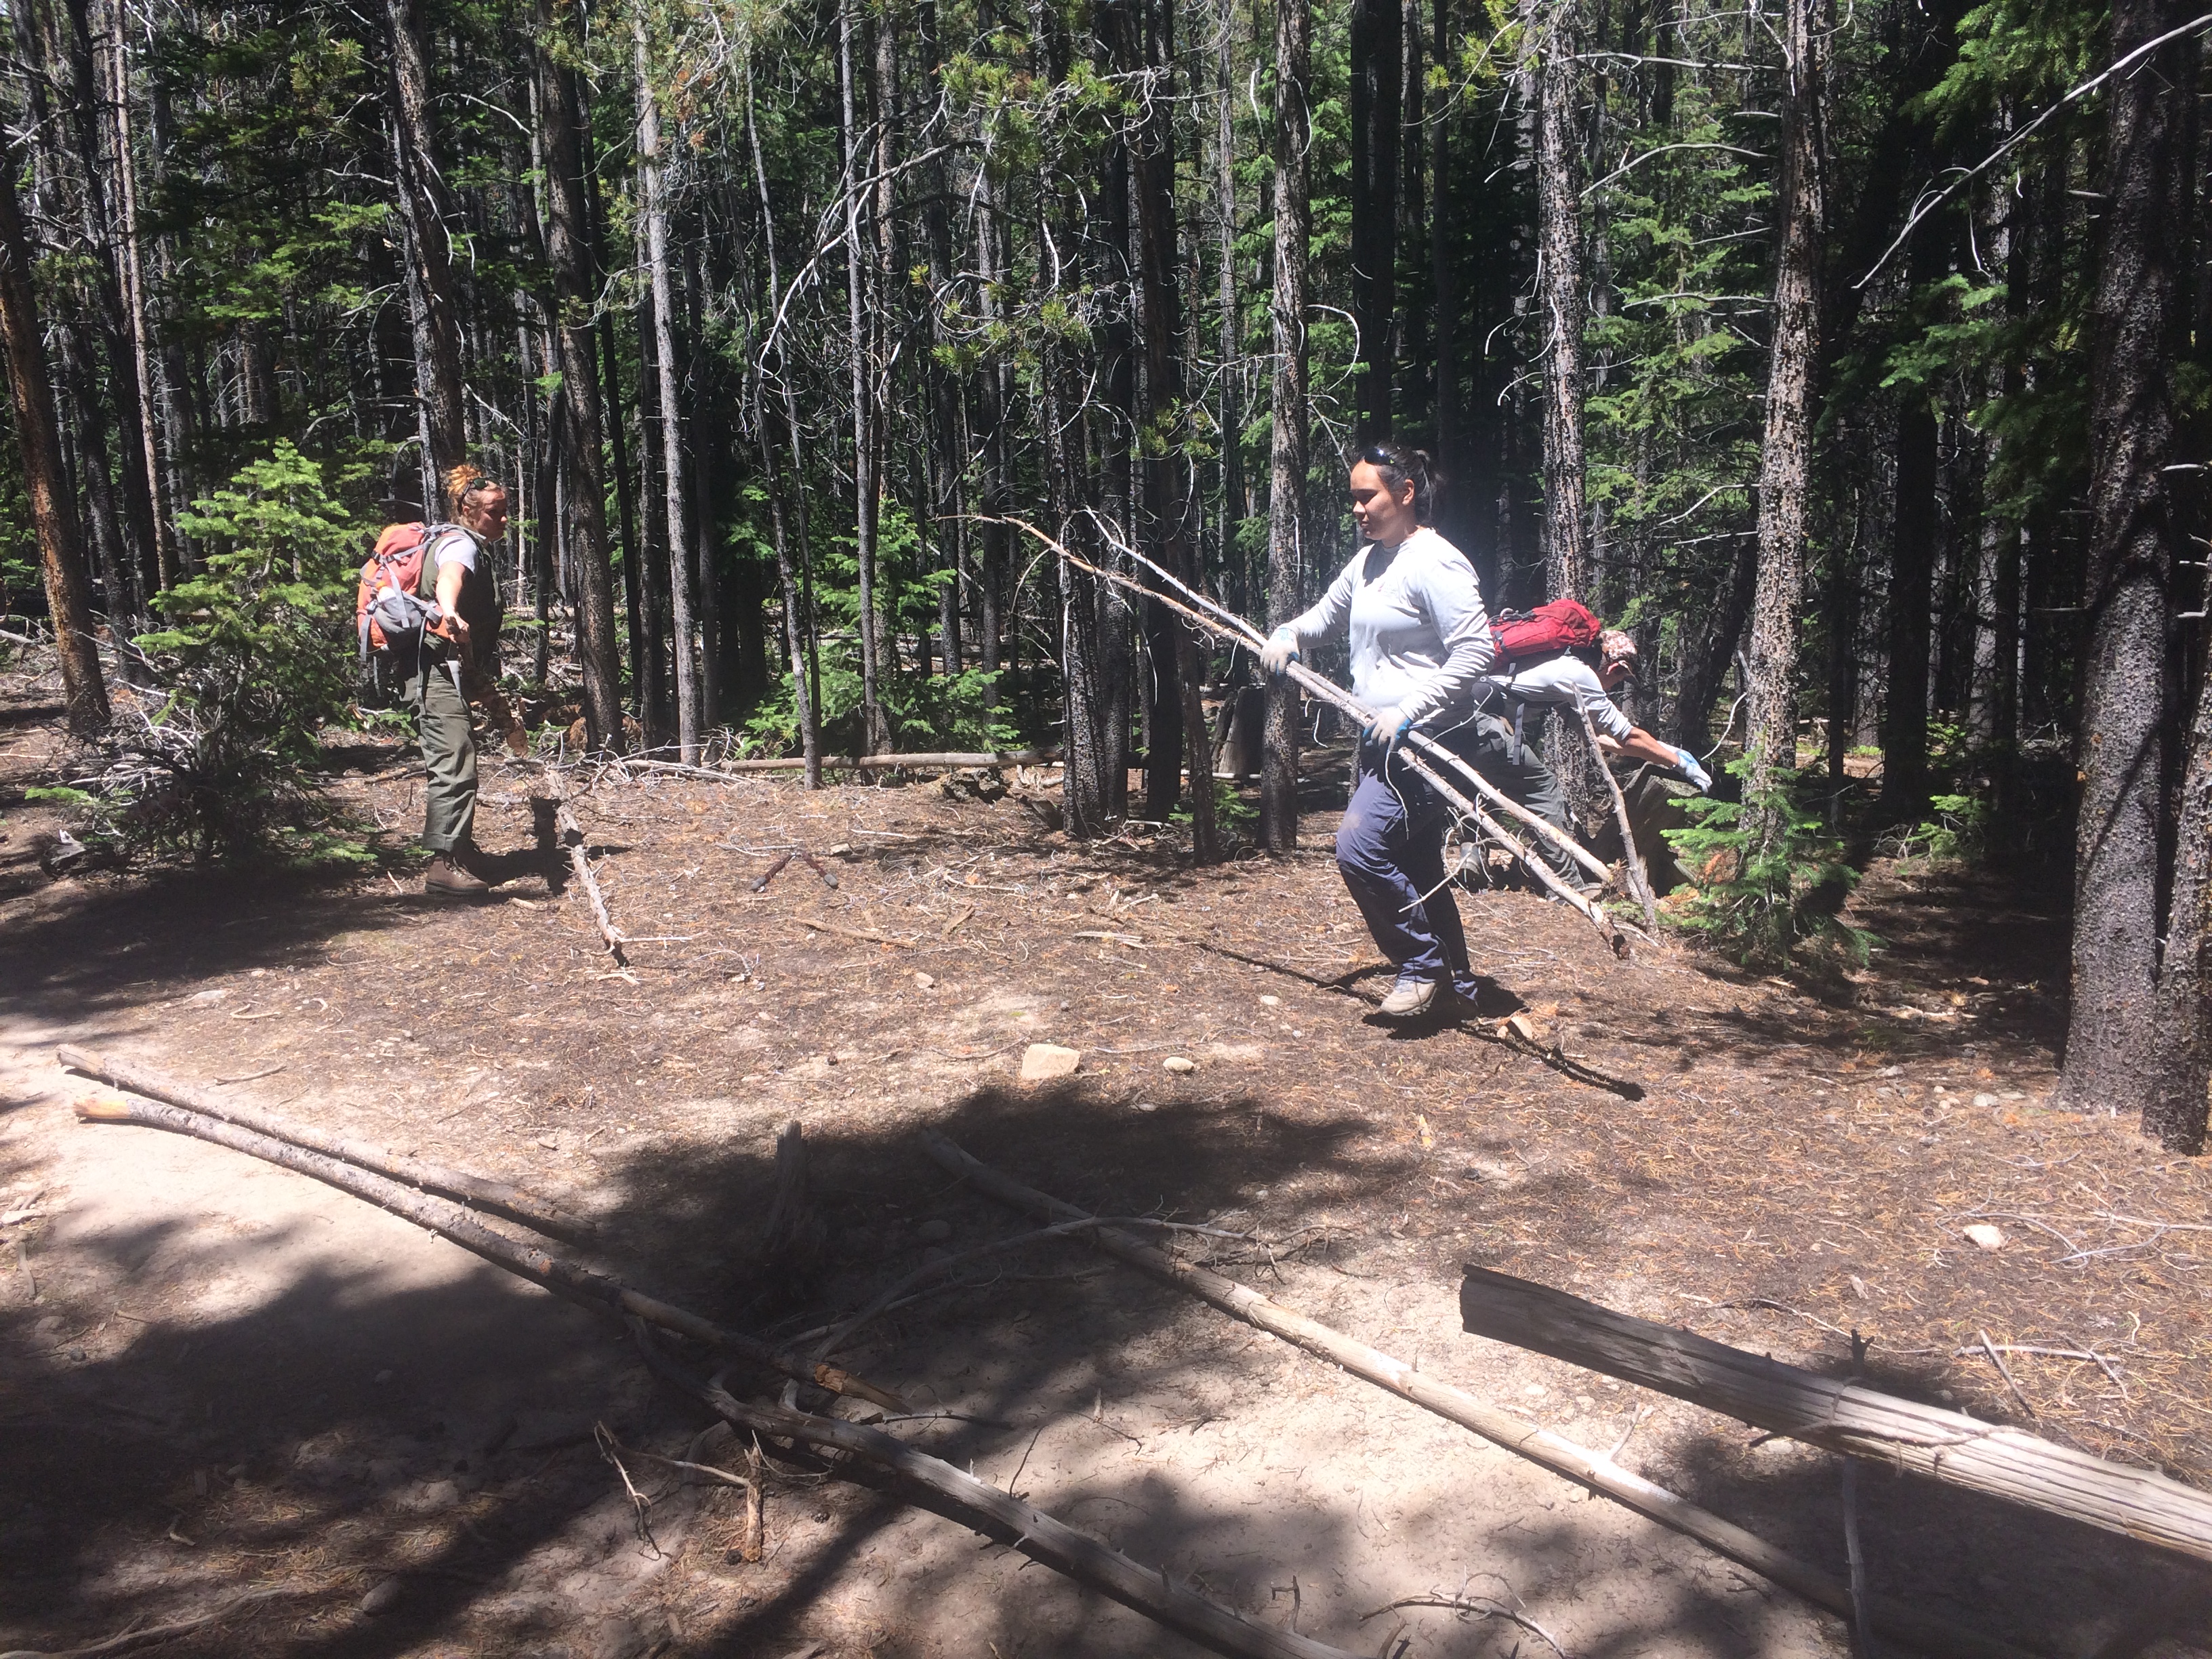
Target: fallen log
x: 999, y: 1515
x: 602, y: 1293
x: 1554, y: 1452
x: 1841, y: 1417
x: 478, y: 1191
x: 939, y: 762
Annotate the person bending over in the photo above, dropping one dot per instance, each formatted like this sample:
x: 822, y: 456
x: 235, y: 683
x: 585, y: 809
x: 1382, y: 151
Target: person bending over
x: 1562, y: 681
x: 1419, y: 640
x: 460, y: 579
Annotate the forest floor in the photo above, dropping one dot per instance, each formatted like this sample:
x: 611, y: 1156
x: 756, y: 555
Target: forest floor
x: 216, y: 1375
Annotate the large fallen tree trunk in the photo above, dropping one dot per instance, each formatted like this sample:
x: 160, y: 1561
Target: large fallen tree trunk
x: 1841, y: 1417
x: 1921, y: 1630
x: 602, y: 1293
x: 999, y: 1514
x: 478, y: 1191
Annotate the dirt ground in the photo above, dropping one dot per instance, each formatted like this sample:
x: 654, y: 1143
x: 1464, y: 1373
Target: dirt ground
x: 219, y: 1375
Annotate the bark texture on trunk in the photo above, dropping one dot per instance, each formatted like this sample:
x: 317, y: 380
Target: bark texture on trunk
x: 867, y: 486
x: 430, y: 290
x: 1561, y: 303
x: 1286, y: 489
x: 654, y: 189
x: 2136, y: 322
x: 1785, y: 458
x: 568, y: 247
x: 53, y: 509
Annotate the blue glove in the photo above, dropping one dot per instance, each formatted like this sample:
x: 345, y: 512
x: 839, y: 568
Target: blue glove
x: 1686, y: 764
x: 1280, y: 651
x: 1388, y: 726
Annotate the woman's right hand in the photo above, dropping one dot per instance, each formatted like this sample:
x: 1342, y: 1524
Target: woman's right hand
x: 1280, y: 651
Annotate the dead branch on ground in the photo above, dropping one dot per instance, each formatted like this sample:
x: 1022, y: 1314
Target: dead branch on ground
x: 1000, y: 1516
x: 478, y: 1191
x: 1639, y: 880
x: 151, y: 1634
x: 1930, y: 1634
x: 1992, y: 1458
x: 601, y: 1293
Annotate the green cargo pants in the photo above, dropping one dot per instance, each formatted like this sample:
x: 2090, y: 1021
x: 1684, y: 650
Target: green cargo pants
x: 449, y: 751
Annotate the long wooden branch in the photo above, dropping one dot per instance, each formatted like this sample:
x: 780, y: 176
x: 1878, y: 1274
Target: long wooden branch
x: 479, y: 1191
x: 1929, y: 1634
x: 1000, y: 1515
x: 1842, y: 1417
x: 1047, y: 756
x: 572, y: 838
x: 1639, y: 880
x: 601, y: 1293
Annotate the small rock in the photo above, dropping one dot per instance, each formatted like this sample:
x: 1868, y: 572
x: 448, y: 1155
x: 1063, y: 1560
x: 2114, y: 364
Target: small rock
x: 432, y: 1498
x: 382, y: 1597
x: 923, y: 981
x: 1535, y: 1390
x: 1271, y: 1002
x: 933, y: 1232
x: 1041, y: 1060
x: 1148, y: 1106
x: 619, y: 1638
x: 1989, y: 1237
x: 201, y: 998
x: 1986, y: 1101
x: 383, y: 1377
x: 1178, y: 1065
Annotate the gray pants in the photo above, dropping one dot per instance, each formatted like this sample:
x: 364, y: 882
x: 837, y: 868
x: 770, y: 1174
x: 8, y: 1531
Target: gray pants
x: 449, y: 751
x: 1529, y: 782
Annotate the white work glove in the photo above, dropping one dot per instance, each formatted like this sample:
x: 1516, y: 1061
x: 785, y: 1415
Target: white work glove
x: 1686, y: 764
x: 1280, y: 651
x: 1388, y: 726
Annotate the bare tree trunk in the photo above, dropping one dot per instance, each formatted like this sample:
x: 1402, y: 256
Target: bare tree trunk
x: 2137, y: 325
x: 1443, y: 268
x: 53, y: 509
x: 1561, y: 303
x: 133, y: 276
x: 653, y: 188
x: 567, y: 239
x: 725, y: 643
x: 430, y: 289
x: 876, y: 734
x: 1287, y: 485
x: 798, y: 589
x: 1785, y: 457
x: 1377, y: 61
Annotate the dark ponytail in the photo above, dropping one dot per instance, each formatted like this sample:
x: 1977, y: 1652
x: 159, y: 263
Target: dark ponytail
x: 1399, y: 465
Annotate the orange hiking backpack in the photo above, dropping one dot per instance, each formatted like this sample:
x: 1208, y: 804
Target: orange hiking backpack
x: 390, y: 612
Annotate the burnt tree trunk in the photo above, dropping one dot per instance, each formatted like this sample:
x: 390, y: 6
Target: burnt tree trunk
x: 430, y: 278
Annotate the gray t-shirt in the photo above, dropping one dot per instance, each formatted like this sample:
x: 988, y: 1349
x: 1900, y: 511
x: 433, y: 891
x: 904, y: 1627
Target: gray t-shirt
x: 1562, y: 681
x: 1414, y: 616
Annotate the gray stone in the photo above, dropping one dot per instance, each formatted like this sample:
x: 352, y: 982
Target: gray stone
x: 382, y: 1597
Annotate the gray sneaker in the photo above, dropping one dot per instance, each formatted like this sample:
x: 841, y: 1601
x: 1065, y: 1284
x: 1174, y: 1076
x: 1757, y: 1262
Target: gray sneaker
x: 1407, y: 998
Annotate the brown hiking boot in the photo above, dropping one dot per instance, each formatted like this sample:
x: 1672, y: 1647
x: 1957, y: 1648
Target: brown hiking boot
x: 447, y: 878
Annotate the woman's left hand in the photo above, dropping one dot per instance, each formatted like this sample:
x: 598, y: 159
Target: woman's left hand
x: 1387, y: 726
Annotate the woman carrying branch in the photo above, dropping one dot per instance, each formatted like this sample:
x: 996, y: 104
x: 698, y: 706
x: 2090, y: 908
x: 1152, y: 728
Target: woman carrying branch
x: 1419, y: 639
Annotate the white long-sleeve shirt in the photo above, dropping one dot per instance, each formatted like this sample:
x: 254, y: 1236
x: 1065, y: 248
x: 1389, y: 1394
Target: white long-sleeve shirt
x: 1413, y: 615
x: 1564, y: 680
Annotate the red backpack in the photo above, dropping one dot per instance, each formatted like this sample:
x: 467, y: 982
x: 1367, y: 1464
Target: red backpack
x: 1526, y: 636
